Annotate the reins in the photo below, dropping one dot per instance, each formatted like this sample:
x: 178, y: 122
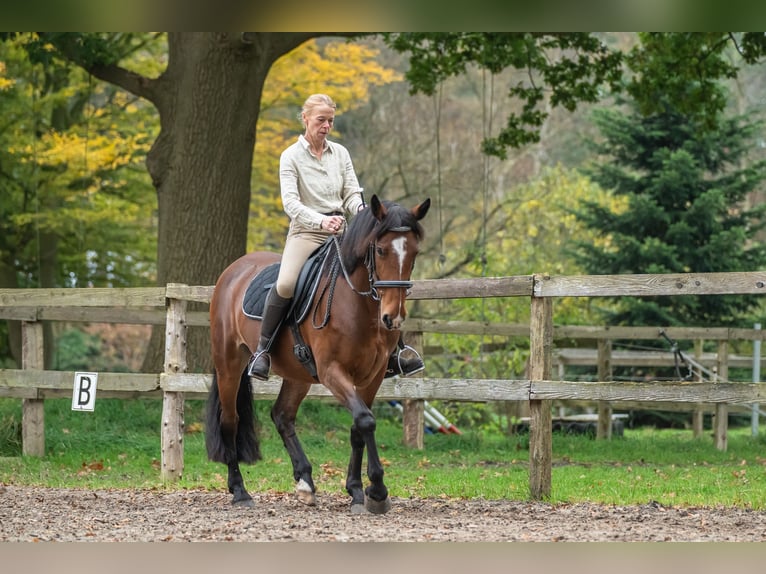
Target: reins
x: 375, y: 284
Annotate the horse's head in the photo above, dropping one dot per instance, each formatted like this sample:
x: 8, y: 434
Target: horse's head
x: 394, y: 243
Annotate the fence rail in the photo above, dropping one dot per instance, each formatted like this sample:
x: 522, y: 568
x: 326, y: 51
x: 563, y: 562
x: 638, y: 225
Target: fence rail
x: 168, y: 306
x: 28, y: 384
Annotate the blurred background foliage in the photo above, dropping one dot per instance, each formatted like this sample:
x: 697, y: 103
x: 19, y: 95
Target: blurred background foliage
x: 423, y: 115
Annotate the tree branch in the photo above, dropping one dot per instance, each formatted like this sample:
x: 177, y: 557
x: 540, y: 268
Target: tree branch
x: 132, y: 82
x: 92, y: 54
x: 280, y: 43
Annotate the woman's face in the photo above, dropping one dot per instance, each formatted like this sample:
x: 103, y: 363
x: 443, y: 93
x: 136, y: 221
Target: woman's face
x: 319, y: 121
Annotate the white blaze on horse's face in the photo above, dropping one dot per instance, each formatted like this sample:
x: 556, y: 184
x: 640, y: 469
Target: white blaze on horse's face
x: 394, y: 320
x: 400, y: 248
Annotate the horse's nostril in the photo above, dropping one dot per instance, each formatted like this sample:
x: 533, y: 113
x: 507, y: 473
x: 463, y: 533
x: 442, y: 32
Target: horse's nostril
x: 387, y: 321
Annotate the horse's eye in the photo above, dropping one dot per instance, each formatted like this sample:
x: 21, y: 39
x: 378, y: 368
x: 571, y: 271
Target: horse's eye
x: 379, y: 250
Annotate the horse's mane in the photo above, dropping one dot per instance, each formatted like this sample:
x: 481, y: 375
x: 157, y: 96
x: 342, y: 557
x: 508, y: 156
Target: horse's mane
x: 364, y: 228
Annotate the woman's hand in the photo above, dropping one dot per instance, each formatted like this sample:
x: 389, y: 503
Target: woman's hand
x: 333, y: 223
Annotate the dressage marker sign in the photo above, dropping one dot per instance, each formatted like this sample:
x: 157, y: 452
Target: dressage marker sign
x: 84, y: 393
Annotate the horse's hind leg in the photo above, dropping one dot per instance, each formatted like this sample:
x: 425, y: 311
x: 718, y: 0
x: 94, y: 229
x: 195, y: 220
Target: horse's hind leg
x: 236, y: 437
x: 283, y: 414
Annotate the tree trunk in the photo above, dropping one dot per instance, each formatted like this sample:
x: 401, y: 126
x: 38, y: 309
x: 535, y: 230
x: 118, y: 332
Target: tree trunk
x: 9, y: 280
x: 201, y: 163
x: 208, y: 101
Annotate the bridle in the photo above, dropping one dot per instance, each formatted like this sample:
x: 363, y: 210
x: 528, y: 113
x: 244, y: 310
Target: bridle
x: 369, y: 263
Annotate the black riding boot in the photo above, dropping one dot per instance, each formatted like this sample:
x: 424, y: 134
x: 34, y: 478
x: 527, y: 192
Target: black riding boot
x: 273, y: 312
x: 399, y: 365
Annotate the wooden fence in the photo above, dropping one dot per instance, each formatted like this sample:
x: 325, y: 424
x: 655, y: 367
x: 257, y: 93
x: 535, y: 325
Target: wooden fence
x: 168, y: 306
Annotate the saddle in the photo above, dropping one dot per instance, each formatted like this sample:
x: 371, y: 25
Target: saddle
x: 305, y: 288
x: 308, y: 281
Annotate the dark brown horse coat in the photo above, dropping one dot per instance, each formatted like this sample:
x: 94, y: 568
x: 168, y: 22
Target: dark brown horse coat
x: 360, y: 304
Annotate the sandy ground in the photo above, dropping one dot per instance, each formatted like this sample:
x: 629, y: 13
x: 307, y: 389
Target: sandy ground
x: 29, y: 514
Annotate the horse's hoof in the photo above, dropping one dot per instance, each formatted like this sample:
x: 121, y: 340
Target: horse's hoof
x: 243, y: 503
x: 358, y: 509
x: 377, y: 506
x: 305, y: 493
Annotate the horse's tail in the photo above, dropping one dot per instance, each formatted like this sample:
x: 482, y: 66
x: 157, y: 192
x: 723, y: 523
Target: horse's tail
x: 248, y: 446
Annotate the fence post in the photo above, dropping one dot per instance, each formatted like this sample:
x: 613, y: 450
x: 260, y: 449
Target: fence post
x: 755, y: 408
x: 32, y: 410
x: 413, y: 421
x: 413, y: 410
x: 604, y: 428
x: 720, y: 428
x: 540, y: 363
x: 698, y: 415
x: 173, y: 401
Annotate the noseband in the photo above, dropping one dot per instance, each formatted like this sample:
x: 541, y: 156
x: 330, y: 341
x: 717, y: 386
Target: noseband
x: 369, y: 262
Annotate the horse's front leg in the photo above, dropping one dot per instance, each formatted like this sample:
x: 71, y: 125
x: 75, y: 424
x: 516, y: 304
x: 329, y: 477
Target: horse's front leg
x: 283, y: 415
x: 376, y: 498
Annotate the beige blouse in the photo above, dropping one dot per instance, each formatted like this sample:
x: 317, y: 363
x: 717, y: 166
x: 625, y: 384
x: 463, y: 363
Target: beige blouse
x: 312, y: 187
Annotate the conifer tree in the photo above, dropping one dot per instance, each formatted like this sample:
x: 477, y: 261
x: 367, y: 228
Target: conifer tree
x: 686, y: 191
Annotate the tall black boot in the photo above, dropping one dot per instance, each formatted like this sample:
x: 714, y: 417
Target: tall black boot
x: 273, y: 312
x: 401, y: 365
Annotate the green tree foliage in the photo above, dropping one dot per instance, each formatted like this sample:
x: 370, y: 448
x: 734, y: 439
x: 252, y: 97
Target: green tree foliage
x: 530, y: 229
x: 685, y: 170
x: 683, y: 68
x: 687, y: 69
x: 77, y: 205
x: 563, y: 70
x: 208, y: 89
x: 75, y: 193
x: 686, y: 190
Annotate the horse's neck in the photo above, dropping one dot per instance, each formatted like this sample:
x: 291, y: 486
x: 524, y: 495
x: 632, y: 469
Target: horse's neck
x: 343, y: 291
x: 360, y: 280
x: 358, y: 289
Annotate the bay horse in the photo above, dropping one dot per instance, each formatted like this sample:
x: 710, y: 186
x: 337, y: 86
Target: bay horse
x: 362, y: 296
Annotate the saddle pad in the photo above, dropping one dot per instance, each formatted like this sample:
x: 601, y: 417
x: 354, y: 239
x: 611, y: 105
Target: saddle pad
x: 255, y: 296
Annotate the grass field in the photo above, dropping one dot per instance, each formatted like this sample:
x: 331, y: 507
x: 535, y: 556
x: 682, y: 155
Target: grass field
x: 118, y: 446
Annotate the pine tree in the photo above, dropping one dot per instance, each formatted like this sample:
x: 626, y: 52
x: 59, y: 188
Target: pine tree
x: 686, y: 211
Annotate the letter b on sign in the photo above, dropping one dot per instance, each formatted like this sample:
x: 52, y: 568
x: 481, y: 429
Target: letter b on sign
x: 84, y: 394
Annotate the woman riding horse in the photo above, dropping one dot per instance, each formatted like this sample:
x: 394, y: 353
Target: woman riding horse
x: 318, y: 186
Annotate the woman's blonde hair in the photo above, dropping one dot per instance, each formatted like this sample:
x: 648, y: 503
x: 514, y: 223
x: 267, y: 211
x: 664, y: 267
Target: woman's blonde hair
x: 315, y: 100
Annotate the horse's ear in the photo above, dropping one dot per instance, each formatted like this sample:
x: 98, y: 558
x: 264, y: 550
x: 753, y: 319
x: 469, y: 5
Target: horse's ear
x: 378, y: 209
x: 419, y: 211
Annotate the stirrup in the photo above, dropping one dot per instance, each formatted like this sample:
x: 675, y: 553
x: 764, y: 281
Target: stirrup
x: 400, y: 362
x: 253, y: 359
